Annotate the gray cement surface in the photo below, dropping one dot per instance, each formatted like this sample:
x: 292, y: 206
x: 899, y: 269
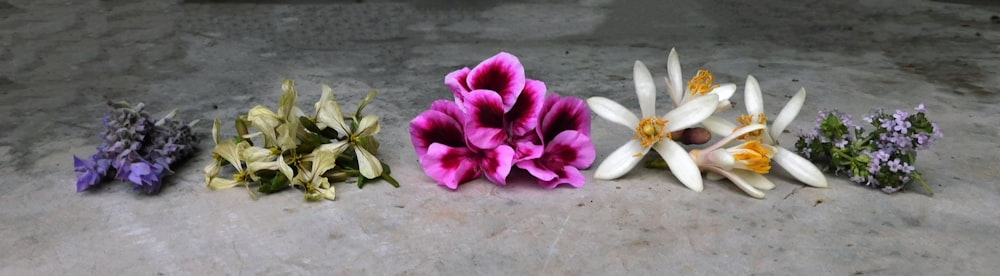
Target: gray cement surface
x: 62, y: 60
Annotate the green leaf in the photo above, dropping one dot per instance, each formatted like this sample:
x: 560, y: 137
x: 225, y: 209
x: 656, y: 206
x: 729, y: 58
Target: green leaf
x: 276, y: 184
x: 308, y: 124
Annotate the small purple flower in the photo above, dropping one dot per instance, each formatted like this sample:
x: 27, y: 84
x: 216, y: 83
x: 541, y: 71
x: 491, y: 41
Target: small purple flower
x: 86, y: 173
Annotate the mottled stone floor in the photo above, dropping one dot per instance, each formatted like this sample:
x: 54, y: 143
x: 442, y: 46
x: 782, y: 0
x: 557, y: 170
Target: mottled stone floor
x: 62, y: 60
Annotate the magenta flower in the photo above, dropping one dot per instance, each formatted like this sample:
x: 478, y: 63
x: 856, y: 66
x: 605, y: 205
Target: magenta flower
x: 565, y: 131
x: 439, y: 140
x: 502, y: 73
x: 496, y: 121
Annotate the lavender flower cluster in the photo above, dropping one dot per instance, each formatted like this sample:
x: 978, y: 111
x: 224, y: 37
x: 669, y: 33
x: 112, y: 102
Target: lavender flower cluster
x: 882, y: 158
x: 135, y: 148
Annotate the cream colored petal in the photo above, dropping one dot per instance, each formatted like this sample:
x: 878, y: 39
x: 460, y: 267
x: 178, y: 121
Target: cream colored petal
x: 288, y: 97
x: 787, y: 114
x: 219, y: 183
x: 752, y: 96
x: 645, y: 89
x: 331, y: 115
x: 326, y: 96
x: 324, y: 159
x: 740, y: 183
x: 285, y: 169
x: 621, y: 161
x: 328, y: 194
x: 230, y: 151
x: 212, y: 170
x: 256, y: 154
x: 691, y: 113
x: 287, y: 139
x: 799, y: 167
x: 367, y: 163
x: 675, y: 81
x: 216, y: 128
x: 265, y: 121
x: 612, y: 111
x: 680, y: 164
x: 369, y: 126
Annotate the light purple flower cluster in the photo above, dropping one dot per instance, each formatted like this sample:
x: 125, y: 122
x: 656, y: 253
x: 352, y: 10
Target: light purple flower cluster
x: 498, y: 120
x: 882, y: 158
x: 136, y: 148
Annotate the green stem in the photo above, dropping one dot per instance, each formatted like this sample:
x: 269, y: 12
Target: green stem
x: 924, y: 183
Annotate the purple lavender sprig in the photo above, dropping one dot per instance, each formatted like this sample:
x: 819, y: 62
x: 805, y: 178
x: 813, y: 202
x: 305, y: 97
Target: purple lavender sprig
x: 136, y: 149
x: 882, y: 158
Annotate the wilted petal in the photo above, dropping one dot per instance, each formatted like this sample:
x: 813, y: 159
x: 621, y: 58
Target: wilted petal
x: 368, y: 126
x: 799, y: 167
x: 265, y: 121
x: 675, y: 84
x: 219, y: 183
x: 287, y: 139
x: 621, y: 161
x: 216, y: 128
x: 288, y: 97
x: 484, y: 125
x: 752, y: 96
x: 456, y: 82
x: 212, y: 170
x: 680, y: 163
x: 450, y: 166
x: 503, y: 74
x: 331, y: 115
x: 367, y: 163
x: 787, y: 114
x: 523, y: 116
x: 433, y: 126
x: 561, y: 114
x: 568, y: 175
x: 230, y: 151
x: 613, y: 111
x: 741, y: 183
x: 645, y: 89
x: 691, y: 113
x: 327, y: 95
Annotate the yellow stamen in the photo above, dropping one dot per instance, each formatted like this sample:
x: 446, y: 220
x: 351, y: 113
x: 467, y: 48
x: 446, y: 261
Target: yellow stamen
x: 650, y: 131
x: 746, y: 120
x: 239, y: 177
x: 702, y: 83
x: 754, y: 156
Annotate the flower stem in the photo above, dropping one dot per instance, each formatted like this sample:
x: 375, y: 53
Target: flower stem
x: 924, y: 183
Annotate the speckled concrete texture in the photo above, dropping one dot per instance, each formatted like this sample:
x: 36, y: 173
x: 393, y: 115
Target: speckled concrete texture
x: 62, y: 60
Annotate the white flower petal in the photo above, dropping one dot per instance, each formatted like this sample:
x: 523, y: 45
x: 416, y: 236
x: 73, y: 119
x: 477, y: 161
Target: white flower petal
x: 787, y: 114
x: 285, y: 169
x: 613, y: 111
x: 681, y: 164
x: 216, y: 128
x: 222, y: 183
x: 675, y: 84
x: 741, y: 183
x: 326, y: 96
x: 751, y: 94
x: 725, y: 91
x: 621, y: 161
x: 718, y: 125
x: 645, y: 89
x: 691, y: 113
x: 756, y: 180
x: 367, y: 163
x: 799, y: 167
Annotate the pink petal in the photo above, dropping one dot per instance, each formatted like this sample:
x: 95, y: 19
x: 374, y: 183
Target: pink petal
x: 523, y: 116
x: 503, y: 74
x: 450, y: 108
x: 456, y: 81
x: 537, y: 169
x: 571, y: 148
x: 450, y: 166
x: 433, y: 126
x: 561, y: 114
x: 527, y: 148
x: 484, y: 124
x: 568, y: 175
x: 496, y: 163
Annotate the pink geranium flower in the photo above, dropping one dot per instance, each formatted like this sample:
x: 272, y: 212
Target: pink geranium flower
x: 502, y: 73
x: 565, y: 133
x: 439, y: 140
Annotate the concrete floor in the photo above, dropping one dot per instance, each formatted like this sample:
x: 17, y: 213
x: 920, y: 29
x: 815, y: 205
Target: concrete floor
x: 62, y: 60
